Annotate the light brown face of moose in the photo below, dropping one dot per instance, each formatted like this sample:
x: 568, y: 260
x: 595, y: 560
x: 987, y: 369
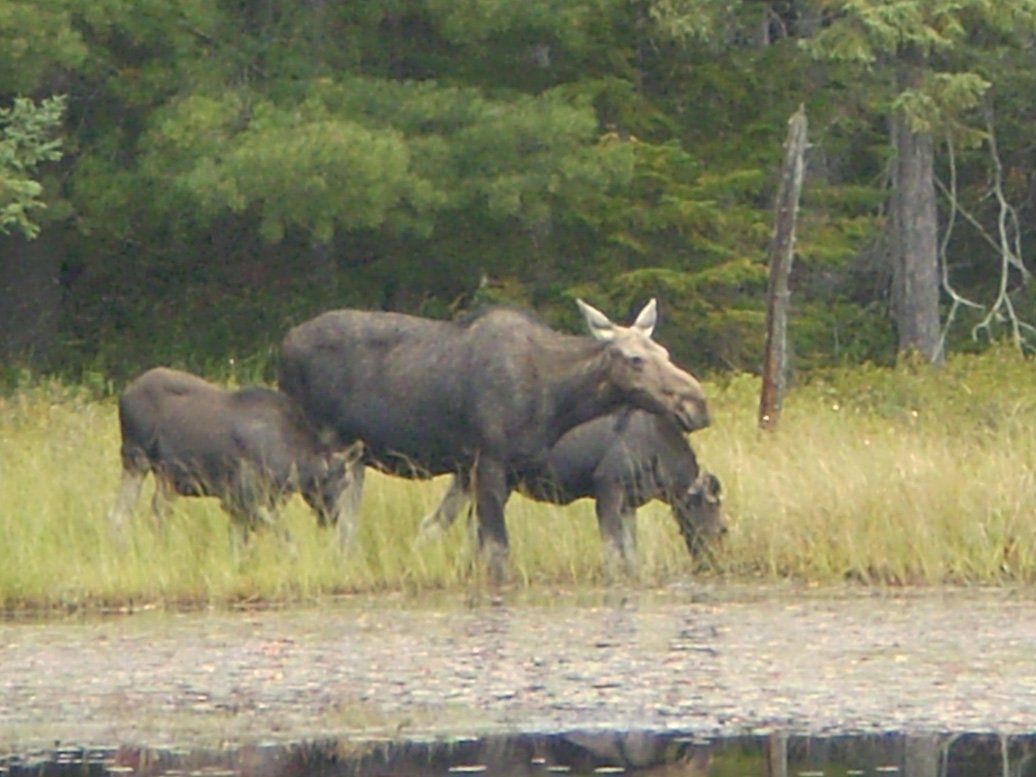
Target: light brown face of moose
x: 641, y: 368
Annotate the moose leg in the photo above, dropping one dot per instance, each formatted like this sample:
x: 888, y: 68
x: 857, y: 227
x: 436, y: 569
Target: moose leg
x: 247, y: 516
x: 251, y: 500
x: 348, y: 505
x: 242, y: 504
x: 268, y: 515
x: 491, y: 494
x: 240, y: 530
x: 162, y: 498
x: 445, y: 514
x: 617, y: 523
x: 125, y: 501
x: 630, y: 561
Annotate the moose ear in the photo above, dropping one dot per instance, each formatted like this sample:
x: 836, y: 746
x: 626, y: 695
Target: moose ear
x: 647, y: 318
x: 353, y: 453
x: 711, y: 486
x: 600, y: 327
x: 706, y: 487
x: 348, y: 457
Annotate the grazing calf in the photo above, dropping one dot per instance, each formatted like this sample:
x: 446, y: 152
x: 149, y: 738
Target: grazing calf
x: 250, y: 448
x: 492, y: 393
x: 623, y: 461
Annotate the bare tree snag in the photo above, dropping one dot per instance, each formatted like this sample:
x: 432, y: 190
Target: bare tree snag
x: 782, y: 249
x: 915, y: 241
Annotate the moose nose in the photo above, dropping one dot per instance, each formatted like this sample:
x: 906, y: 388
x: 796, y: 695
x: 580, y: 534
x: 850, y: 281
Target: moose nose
x: 693, y: 415
x: 703, y: 413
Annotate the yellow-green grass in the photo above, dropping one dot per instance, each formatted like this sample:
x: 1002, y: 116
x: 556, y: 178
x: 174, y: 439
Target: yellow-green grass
x: 905, y: 476
x: 894, y: 476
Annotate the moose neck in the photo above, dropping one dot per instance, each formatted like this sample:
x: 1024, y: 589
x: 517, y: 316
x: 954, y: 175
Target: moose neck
x: 678, y: 464
x: 579, y: 388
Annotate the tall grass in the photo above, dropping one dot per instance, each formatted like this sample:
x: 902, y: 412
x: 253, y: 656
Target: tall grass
x: 879, y: 476
x: 895, y: 476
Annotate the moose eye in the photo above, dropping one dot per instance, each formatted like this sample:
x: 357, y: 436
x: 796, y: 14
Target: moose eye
x: 637, y: 363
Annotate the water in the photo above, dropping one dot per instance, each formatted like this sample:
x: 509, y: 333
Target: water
x: 698, y: 679
x: 572, y: 753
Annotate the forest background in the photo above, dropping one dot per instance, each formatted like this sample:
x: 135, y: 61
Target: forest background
x: 182, y: 181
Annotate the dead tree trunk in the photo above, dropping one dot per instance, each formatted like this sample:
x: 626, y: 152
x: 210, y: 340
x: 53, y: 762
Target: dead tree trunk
x: 782, y: 251
x: 915, y: 244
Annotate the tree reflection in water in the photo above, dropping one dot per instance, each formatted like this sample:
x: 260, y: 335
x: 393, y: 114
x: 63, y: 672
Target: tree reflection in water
x: 638, y: 754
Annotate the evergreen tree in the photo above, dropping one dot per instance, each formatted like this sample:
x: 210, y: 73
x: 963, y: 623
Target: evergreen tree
x: 929, y: 57
x: 231, y: 168
x: 26, y: 142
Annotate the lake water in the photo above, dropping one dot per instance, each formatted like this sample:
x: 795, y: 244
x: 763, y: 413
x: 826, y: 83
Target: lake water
x: 647, y: 754
x: 693, y: 680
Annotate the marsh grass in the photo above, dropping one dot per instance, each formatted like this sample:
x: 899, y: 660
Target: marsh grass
x: 903, y: 476
x: 892, y: 476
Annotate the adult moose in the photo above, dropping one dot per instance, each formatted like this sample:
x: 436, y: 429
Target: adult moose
x: 622, y: 460
x: 491, y: 394
x: 250, y: 448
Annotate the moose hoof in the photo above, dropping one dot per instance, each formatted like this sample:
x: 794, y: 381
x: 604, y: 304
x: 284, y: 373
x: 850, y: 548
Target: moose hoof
x: 496, y: 561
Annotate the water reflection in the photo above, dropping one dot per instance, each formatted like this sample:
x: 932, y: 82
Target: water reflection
x: 637, y: 754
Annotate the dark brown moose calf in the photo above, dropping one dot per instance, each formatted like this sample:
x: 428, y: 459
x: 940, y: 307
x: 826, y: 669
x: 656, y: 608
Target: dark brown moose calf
x: 250, y: 448
x: 491, y: 394
x: 622, y: 461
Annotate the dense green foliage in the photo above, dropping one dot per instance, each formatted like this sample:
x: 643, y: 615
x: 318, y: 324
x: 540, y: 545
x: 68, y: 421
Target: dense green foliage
x: 232, y: 168
x: 25, y: 144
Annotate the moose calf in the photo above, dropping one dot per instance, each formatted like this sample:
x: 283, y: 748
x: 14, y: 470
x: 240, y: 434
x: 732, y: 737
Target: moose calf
x: 250, y: 448
x: 622, y: 460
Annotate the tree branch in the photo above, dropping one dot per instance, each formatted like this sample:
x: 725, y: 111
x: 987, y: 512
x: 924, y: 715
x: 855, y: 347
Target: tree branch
x: 957, y: 301
x: 1007, y: 245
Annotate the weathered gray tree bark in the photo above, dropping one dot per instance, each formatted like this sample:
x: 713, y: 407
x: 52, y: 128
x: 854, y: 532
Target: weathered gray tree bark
x: 782, y: 251
x: 914, y: 238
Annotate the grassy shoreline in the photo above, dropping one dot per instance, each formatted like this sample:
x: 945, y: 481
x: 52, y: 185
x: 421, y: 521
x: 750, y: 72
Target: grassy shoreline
x: 886, y: 477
